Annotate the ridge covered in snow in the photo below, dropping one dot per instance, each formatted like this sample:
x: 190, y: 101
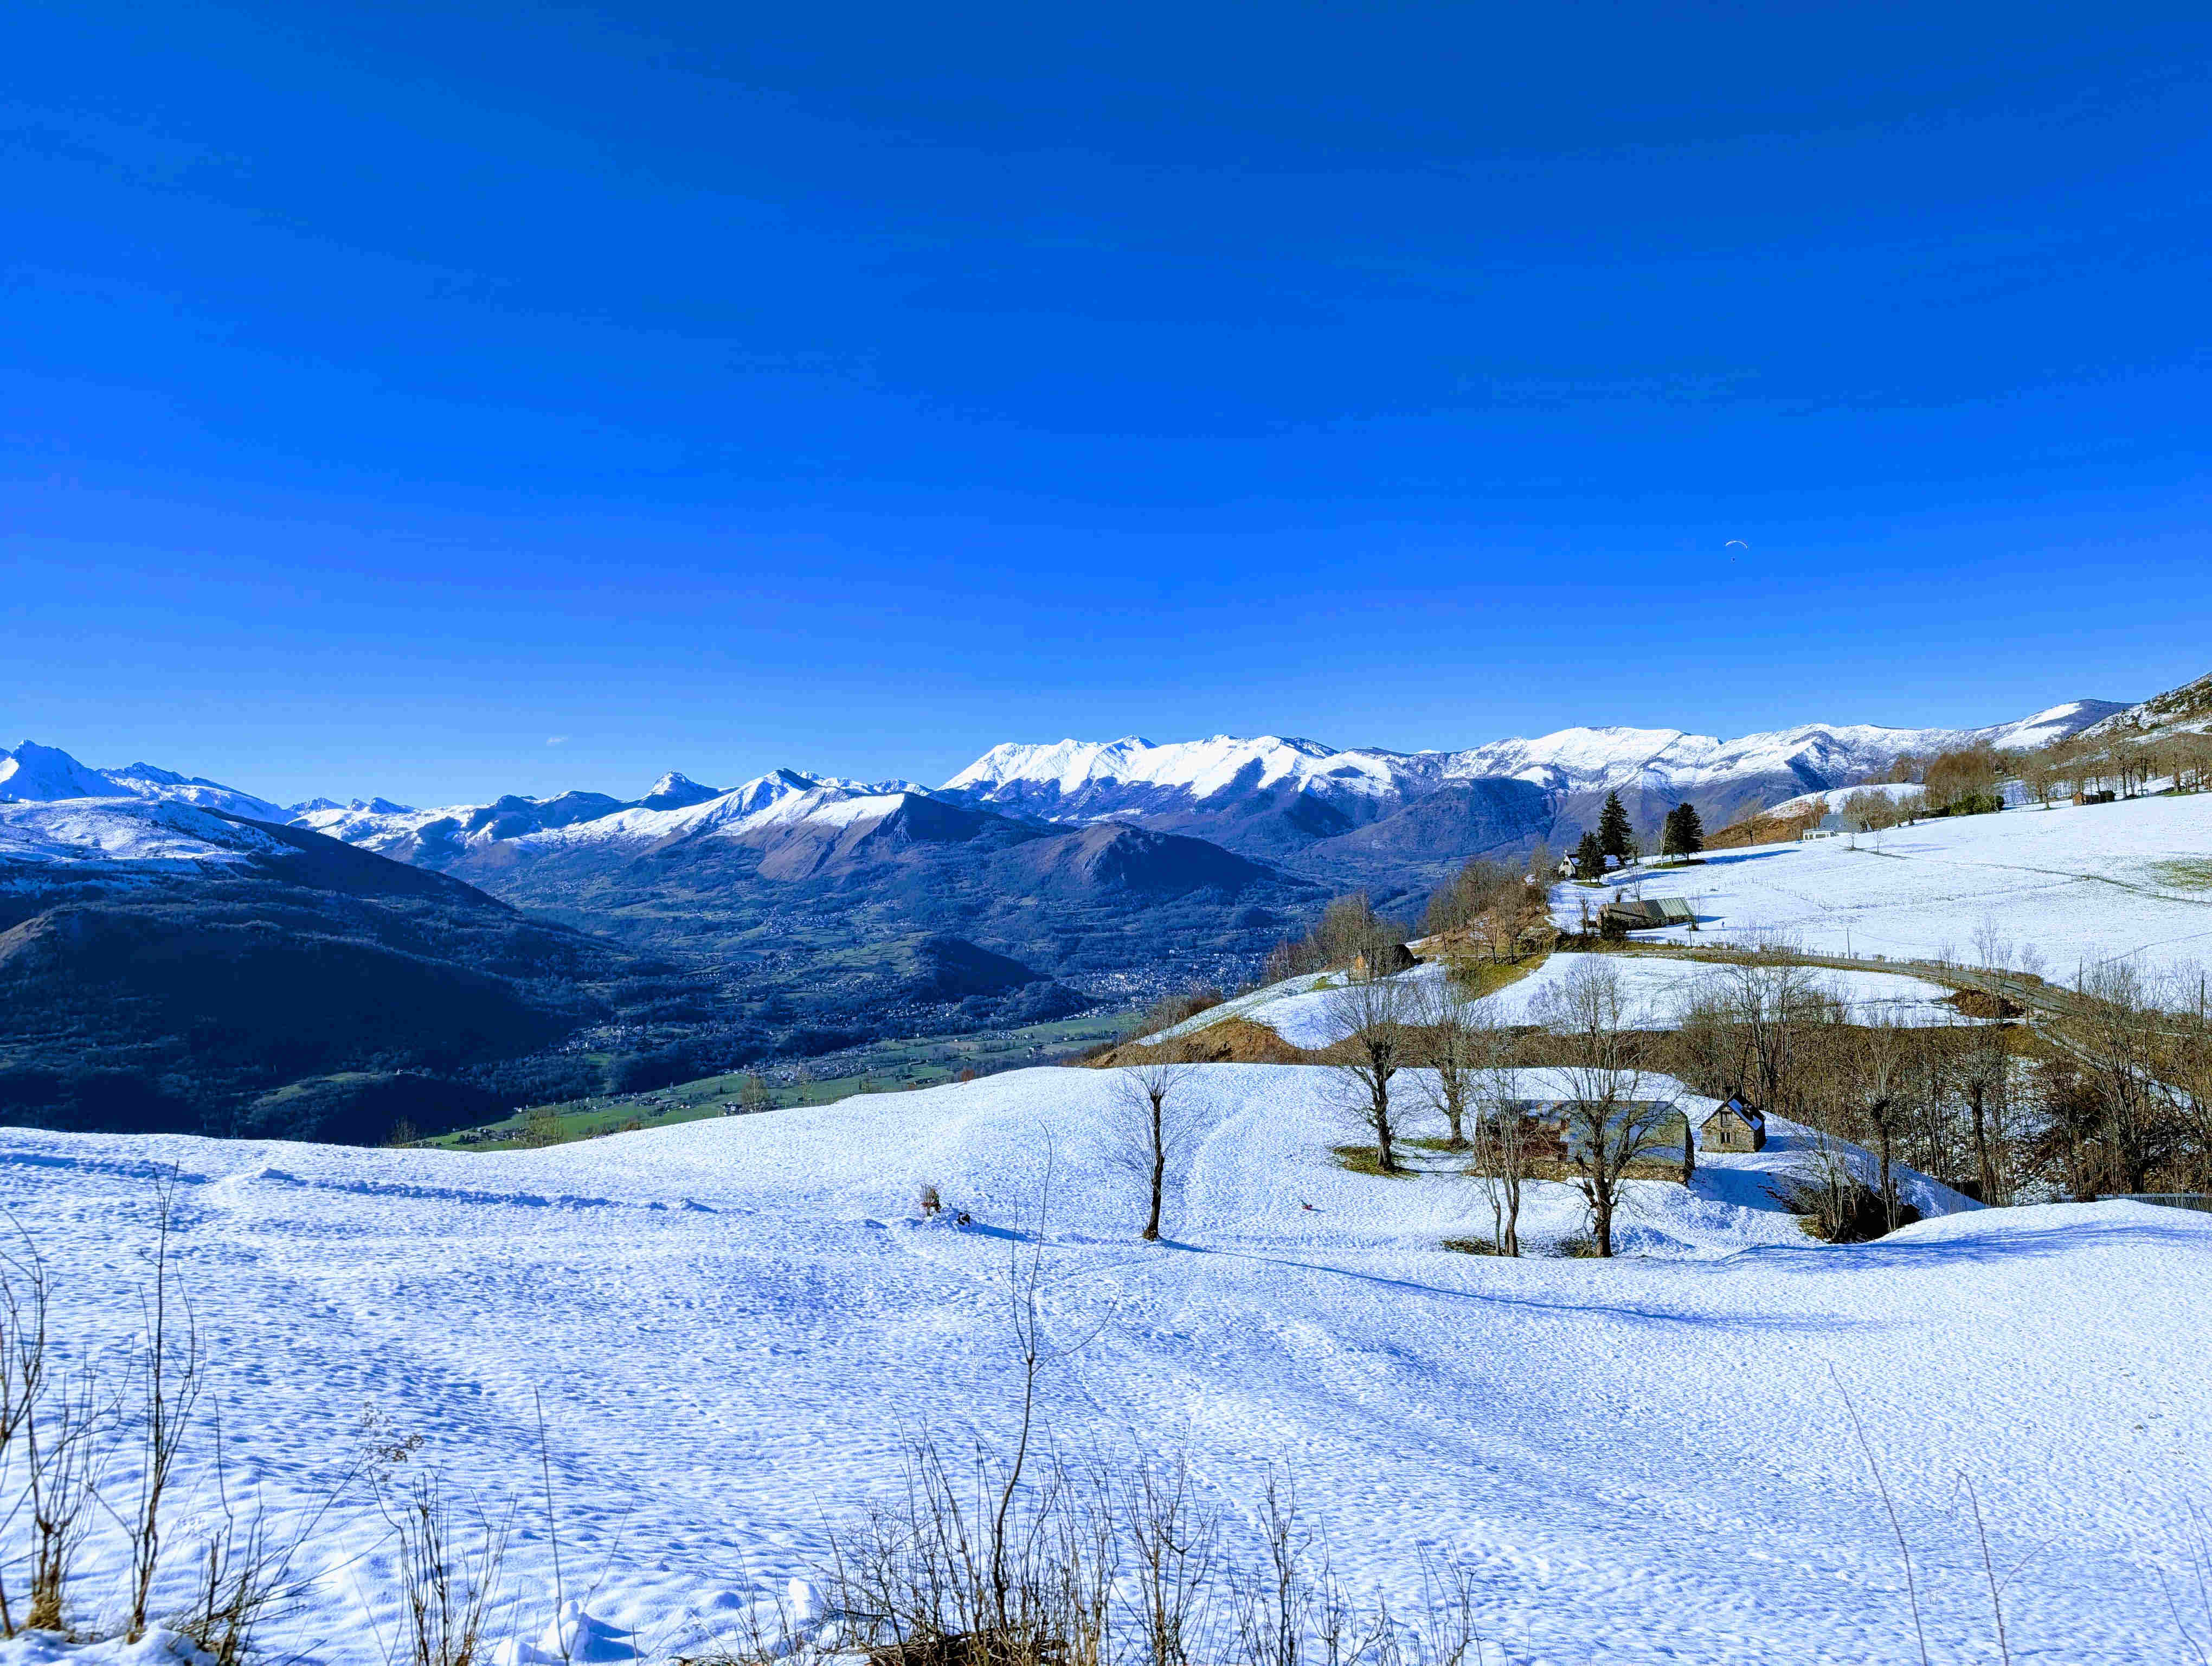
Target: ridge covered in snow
x: 146, y: 834
x: 32, y: 774
x: 1086, y: 780
x: 2189, y: 707
x: 1079, y: 781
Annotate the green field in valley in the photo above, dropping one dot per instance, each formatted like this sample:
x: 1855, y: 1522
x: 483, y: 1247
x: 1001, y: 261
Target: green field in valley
x: 889, y: 1067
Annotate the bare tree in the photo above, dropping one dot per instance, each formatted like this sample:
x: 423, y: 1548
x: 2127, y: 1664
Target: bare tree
x: 1505, y: 1141
x: 2113, y: 1031
x: 1878, y: 1063
x: 1769, y: 1001
x: 1375, y: 1013
x: 1457, y: 1043
x: 1610, y: 1119
x: 1153, y: 1134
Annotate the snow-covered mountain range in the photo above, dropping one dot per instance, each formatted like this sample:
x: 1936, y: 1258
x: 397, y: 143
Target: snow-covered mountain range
x: 1271, y: 795
x: 1076, y: 780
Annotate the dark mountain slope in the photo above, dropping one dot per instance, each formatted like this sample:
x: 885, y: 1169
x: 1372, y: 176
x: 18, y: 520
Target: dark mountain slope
x: 1413, y: 849
x: 813, y: 923
x: 135, y: 993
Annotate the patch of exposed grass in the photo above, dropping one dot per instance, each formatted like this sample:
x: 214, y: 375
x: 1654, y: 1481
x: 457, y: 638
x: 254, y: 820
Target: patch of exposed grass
x: 1577, y: 1247
x: 1471, y: 1246
x: 1488, y: 977
x: 1435, y: 1145
x: 1641, y: 1168
x: 2185, y: 872
x: 1363, y: 1160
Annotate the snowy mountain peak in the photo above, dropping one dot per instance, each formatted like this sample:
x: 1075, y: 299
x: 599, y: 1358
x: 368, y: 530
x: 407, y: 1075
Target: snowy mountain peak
x: 35, y: 774
x: 675, y: 790
x: 32, y: 774
x: 1068, y: 770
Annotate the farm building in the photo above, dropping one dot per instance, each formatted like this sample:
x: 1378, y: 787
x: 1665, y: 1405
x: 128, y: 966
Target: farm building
x: 1649, y: 914
x: 1733, y: 1126
x: 1397, y: 957
x: 1636, y: 1128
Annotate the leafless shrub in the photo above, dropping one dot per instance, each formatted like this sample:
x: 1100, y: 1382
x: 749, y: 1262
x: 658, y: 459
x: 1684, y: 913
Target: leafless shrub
x: 245, y: 1575
x: 448, y: 1564
x: 64, y: 1432
x: 24, y: 1300
x: 1108, y: 1566
x: 172, y: 1373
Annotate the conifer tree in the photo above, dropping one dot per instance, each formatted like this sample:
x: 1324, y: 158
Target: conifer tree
x: 1589, y: 858
x: 1613, y: 828
x: 1685, y: 834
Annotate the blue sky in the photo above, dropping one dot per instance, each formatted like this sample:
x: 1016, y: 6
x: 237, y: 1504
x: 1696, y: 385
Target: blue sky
x: 386, y: 391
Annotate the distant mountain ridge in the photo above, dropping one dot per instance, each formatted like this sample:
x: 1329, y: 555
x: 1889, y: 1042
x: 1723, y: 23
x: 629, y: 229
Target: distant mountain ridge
x: 178, y: 953
x: 31, y: 773
x: 1363, y: 813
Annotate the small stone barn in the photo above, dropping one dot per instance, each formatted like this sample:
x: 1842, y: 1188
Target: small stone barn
x: 1733, y: 1126
x: 1395, y: 958
x: 1649, y: 914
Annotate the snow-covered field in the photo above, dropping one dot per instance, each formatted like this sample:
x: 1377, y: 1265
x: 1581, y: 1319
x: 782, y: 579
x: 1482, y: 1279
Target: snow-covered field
x: 2076, y: 883
x: 1304, y: 1011
x: 734, y: 1326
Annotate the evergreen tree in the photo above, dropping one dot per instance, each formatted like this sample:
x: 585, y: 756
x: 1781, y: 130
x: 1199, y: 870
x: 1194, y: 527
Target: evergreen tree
x: 1685, y: 833
x: 1613, y: 828
x: 1589, y: 858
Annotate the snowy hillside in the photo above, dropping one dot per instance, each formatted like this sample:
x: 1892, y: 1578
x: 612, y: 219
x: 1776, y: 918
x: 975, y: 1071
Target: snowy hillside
x: 2189, y: 707
x: 35, y: 774
x: 734, y: 1326
x: 2074, y: 884
x: 1304, y: 1011
x: 100, y: 832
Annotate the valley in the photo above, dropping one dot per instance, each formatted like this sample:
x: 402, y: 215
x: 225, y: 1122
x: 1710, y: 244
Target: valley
x: 804, y: 918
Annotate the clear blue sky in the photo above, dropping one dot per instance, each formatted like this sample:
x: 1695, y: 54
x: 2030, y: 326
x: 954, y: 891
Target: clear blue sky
x: 387, y: 390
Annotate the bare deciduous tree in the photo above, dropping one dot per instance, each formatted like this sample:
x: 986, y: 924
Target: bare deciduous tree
x: 1505, y: 1142
x: 1610, y: 1117
x: 1769, y: 1001
x: 1457, y: 1043
x: 1153, y: 1133
x: 1877, y: 1079
x: 1375, y: 1011
x: 2114, y: 1034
